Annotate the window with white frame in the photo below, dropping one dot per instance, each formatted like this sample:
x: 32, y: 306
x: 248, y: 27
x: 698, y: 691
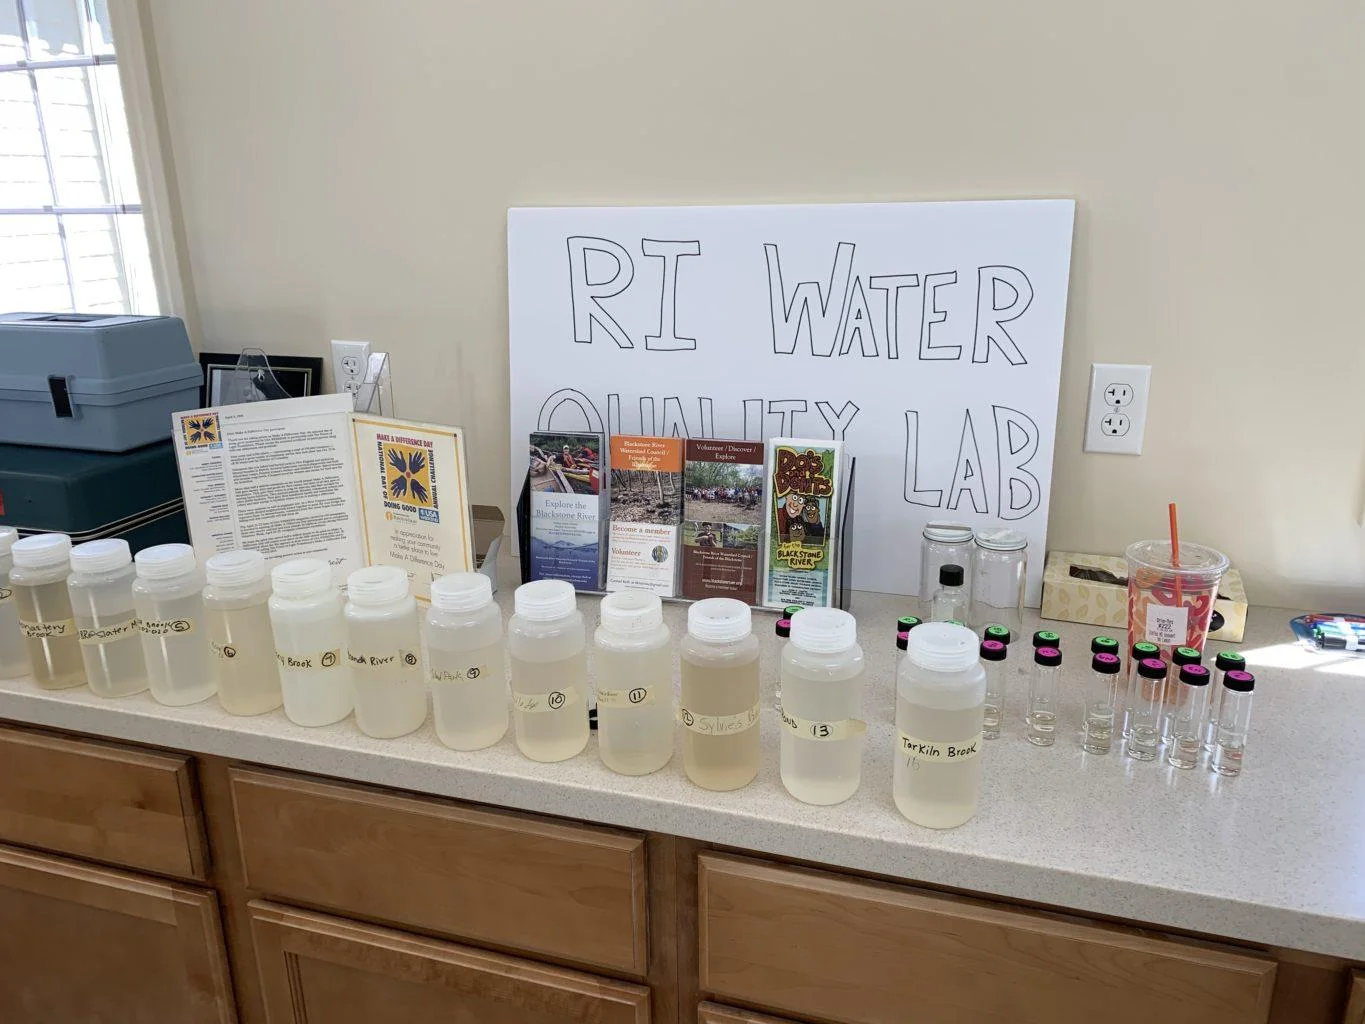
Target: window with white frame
x: 72, y: 237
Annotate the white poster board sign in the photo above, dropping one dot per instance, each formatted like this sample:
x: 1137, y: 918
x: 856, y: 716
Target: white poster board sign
x: 927, y: 336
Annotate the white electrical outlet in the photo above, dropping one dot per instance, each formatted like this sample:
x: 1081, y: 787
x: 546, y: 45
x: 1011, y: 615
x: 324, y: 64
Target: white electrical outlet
x: 1116, y: 416
x: 350, y: 360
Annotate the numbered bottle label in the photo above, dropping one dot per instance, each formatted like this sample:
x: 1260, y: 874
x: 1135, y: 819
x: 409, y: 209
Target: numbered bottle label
x: 815, y: 730
x: 637, y: 696
x: 48, y: 630
x: 165, y: 627
x: 939, y: 750
x: 463, y: 674
x: 223, y: 651
x: 6, y: 593
x: 389, y: 659
x: 92, y: 636
x: 718, y: 725
x: 303, y: 662
x: 537, y: 703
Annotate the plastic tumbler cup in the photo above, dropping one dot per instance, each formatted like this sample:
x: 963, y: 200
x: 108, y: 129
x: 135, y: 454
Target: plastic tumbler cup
x: 1167, y: 605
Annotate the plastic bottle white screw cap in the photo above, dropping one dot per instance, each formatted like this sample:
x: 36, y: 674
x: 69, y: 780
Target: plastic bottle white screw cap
x: 235, y: 568
x: 44, y: 551
x: 165, y: 562
x: 719, y: 620
x: 943, y: 647
x: 8, y: 535
x: 545, y: 600
x: 301, y: 577
x: 101, y: 556
x: 823, y: 630
x: 377, y: 585
x: 461, y: 592
x: 947, y: 532
x: 631, y: 612
x: 1000, y: 538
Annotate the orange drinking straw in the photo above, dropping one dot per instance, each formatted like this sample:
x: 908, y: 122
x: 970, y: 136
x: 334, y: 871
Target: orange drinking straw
x: 1175, y: 552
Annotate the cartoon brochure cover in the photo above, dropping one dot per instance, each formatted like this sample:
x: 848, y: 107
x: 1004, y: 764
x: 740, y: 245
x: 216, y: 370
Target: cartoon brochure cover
x: 802, y: 530
x: 646, y: 507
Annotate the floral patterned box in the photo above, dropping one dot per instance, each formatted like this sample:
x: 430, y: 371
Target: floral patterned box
x: 1094, y: 589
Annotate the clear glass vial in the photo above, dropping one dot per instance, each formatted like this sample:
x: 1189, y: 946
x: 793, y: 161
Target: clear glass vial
x: 1144, y: 714
x: 548, y: 649
x: 1186, y: 741
x: 821, y: 746
x: 1225, y: 662
x: 1175, y: 695
x: 1101, y: 695
x: 38, y: 578
x: 466, y: 662
x: 633, y: 658
x: 169, y: 596
x: 237, y: 610
x: 13, y: 651
x: 1128, y: 697
x: 999, y: 569
x: 310, y: 642
x: 384, y: 651
x: 101, y: 591
x: 940, y: 688
x: 950, y: 599
x: 941, y: 543
x: 1234, y: 719
x: 783, y: 631
x: 1041, y: 718
x: 993, y: 654
x: 720, y: 695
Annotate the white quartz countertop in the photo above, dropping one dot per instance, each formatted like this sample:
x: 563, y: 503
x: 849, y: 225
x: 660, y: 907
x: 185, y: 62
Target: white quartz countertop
x: 1275, y: 856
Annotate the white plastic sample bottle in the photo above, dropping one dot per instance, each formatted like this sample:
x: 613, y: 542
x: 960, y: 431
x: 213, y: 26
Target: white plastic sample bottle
x: 466, y: 662
x: 38, y: 579
x: 384, y: 651
x: 101, y: 590
x: 634, y: 675
x: 240, y: 638
x: 821, y: 753
x: 310, y: 642
x: 169, y: 596
x: 940, y: 692
x: 13, y: 651
x: 548, y: 649
x: 720, y: 693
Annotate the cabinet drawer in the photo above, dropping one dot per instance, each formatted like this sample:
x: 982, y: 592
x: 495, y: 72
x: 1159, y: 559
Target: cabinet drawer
x: 714, y: 1013
x: 833, y: 948
x: 101, y: 801
x: 566, y: 891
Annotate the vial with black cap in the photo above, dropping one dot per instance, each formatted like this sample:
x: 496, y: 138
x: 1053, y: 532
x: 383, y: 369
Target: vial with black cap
x: 950, y: 599
x: 993, y: 654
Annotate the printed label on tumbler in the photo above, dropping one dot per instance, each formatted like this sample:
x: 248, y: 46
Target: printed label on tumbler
x: 94, y: 635
x: 813, y: 730
x: 463, y: 674
x: 555, y: 700
x: 1166, y: 623
x: 636, y: 696
x: 389, y: 659
x: 48, y: 630
x: 165, y: 627
x: 917, y: 749
x: 719, y: 725
x: 299, y: 662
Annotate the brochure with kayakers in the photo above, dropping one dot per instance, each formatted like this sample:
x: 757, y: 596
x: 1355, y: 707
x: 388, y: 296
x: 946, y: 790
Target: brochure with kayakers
x: 723, y: 513
x: 802, y: 532
x: 568, y: 508
x: 646, y: 508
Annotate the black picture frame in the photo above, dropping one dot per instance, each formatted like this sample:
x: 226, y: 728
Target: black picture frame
x: 299, y: 376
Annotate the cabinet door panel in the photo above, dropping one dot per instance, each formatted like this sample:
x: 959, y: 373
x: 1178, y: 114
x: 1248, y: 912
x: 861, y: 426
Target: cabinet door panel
x: 317, y: 969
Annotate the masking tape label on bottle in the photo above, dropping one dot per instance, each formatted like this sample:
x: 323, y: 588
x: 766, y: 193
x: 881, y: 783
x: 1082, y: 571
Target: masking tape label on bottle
x: 718, y: 725
x: 165, y: 627
x: 399, y: 659
x: 636, y: 696
x: 555, y: 700
x: 222, y: 651
x: 48, y: 630
x: 940, y: 750
x: 298, y: 662
x: 95, y: 635
x: 814, y: 730
x: 6, y: 593
x: 462, y: 674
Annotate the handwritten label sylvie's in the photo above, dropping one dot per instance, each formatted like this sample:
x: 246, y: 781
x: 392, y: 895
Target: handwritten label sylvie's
x: 634, y: 697
x: 90, y: 636
x: 300, y: 662
x: 718, y: 725
x: 48, y: 630
x: 816, y: 730
x: 954, y: 751
x: 537, y: 703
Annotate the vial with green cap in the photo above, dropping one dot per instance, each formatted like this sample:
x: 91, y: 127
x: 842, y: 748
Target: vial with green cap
x: 1042, y: 696
x: 1176, y: 695
x: 1100, y: 695
x: 907, y: 622
x: 998, y: 633
x: 1144, y: 718
x: 1226, y: 661
x: 1104, y: 645
x: 1140, y: 650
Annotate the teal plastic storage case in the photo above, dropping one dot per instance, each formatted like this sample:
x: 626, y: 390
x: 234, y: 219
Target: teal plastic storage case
x: 134, y: 495
x: 92, y: 382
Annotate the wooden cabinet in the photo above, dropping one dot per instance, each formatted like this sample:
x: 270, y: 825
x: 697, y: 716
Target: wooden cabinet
x: 99, y: 946
x: 828, y: 947
x: 1355, y: 1005
x: 714, y: 1013
x: 317, y: 969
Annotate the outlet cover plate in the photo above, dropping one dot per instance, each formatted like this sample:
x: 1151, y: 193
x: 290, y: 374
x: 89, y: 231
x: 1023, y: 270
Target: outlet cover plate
x: 1116, y: 415
x: 350, y: 360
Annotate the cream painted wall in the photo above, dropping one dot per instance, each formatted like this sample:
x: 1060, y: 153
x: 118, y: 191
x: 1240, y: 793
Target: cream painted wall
x: 344, y: 169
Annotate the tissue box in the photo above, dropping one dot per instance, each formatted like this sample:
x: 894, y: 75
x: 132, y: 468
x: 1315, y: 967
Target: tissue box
x: 1094, y: 589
